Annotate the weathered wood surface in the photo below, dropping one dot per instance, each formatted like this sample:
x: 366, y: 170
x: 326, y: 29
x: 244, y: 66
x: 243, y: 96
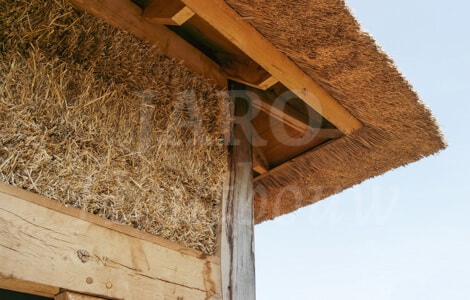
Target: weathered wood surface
x: 43, y: 242
x: 237, y: 249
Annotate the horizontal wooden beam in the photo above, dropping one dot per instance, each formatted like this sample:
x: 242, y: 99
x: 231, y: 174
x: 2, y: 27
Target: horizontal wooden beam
x: 75, y: 296
x: 27, y: 287
x: 43, y: 242
x: 231, y: 25
x: 126, y: 15
x: 167, y: 12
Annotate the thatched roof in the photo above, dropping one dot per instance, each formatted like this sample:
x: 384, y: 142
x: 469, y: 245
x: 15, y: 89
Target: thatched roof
x: 326, y: 41
x: 110, y: 150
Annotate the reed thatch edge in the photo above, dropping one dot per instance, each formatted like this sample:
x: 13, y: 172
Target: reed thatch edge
x: 325, y: 40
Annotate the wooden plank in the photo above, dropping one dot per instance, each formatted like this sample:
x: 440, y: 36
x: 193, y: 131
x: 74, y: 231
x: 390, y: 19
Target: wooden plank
x: 74, y: 250
x: 75, y: 296
x: 167, y: 12
x: 237, y: 260
x: 230, y: 24
x: 128, y: 16
x: 28, y: 287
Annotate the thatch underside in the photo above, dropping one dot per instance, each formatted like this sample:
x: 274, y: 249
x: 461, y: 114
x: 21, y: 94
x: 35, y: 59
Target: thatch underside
x: 323, y: 39
x: 95, y: 118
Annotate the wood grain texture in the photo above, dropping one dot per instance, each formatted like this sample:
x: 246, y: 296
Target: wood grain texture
x: 71, y: 252
x: 223, y: 18
x: 237, y: 257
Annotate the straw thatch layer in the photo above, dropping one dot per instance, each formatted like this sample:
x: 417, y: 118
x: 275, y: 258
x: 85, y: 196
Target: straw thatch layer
x: 94, y: 118
x: 324, y: 40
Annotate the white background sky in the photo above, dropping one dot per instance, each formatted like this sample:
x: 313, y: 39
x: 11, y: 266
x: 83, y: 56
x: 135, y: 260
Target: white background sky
x: 404, y: 235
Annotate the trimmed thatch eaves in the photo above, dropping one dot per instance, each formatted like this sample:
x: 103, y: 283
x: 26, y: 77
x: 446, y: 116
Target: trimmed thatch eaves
x: 327, y: 43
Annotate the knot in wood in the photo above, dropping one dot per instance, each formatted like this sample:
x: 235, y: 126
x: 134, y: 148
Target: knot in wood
x: 83, y: 255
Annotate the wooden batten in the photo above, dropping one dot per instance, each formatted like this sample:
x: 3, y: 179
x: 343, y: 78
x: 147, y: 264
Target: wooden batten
x: 50, y: 245
x: 167, y: 12
x: 267, y: 83
x: 237, y: 249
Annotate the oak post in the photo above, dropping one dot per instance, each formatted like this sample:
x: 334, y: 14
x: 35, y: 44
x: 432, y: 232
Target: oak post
x: 237, y: 259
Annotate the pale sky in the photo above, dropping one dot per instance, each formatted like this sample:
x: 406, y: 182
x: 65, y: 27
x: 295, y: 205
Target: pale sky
x: 404, y: 235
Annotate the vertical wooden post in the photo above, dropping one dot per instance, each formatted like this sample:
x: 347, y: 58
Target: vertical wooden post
x: 237, y: 244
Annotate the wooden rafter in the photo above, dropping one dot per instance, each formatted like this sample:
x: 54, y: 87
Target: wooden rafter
x: 231, y: 25
x: 75, y: 250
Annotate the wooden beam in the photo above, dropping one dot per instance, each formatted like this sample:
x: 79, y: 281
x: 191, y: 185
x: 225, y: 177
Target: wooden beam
x: 281, y: 168
x: 28, y: 287
x: 237, y: 257
x: 279, y: 110
x: 69, y: 248
x: 267, y: 83
x: 75, y: 296
x: 128, y: 16
x: 249, y: 73
x: 234, y: 62
x: 260, y: 163
x: 268, y: 103
x: 248, y: 78
x: 230, y: 24
x: 167, y: 12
